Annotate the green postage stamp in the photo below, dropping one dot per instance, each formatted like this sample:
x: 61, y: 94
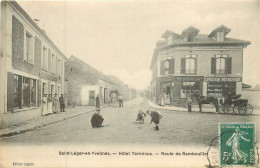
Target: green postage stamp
x: 237, y: 144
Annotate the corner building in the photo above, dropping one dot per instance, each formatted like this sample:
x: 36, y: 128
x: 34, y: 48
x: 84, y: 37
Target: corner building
x: 190, y: 62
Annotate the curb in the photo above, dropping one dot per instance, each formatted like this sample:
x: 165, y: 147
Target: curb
x: 22, y: 131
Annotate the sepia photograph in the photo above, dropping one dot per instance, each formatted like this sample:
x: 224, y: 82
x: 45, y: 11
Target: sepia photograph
x: 129, y: 83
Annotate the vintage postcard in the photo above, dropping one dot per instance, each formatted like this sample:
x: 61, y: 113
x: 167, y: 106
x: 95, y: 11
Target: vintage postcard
x: 129, y: 83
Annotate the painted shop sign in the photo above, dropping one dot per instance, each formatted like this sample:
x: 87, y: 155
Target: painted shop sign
x: 182, y: 78
x: 223, y: 79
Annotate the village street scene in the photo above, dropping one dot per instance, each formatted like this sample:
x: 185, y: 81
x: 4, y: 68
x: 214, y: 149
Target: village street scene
x: 78, y: 82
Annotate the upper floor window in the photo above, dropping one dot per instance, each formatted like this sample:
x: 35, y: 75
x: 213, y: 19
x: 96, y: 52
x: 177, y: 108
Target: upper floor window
x: 220, y: 36
x: 44, y: 58
x: 221, y: 64
x: 190, y: 37
x: 169, y: 40
x: 53, y: 67
x: 28, y: 56
x: 189, y: 64
x: 167, y: 67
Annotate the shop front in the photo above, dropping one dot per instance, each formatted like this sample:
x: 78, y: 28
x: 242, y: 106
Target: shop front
x: 180, y: 87
x: 221, y: 86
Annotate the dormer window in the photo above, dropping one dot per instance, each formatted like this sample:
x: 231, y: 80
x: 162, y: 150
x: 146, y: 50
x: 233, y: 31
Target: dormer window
x: 169, y: 40
x: 190, y: 33
x: 220, y: 36
x: 190, y: 37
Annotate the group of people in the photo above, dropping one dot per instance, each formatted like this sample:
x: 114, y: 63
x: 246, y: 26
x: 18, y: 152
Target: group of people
x: 51, y: 105
x: 120, y: 101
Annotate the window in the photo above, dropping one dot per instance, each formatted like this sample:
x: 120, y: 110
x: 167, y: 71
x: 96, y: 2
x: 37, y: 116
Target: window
x: 28, y: 56
x: 221, y: 64
x: 189, y: 88
x: 220, y: 36
x: 44, y: 88
x: 45, y: 58
x: 169, y: 40
x: 52, y: 90
x: 167, y: 67
x: 190, y: 37
x: 33, y: 93
x: 26, y: 92
x: 91, y: 95
x: 190, y: 64
x: 17, y: 91
x: 53, y: 70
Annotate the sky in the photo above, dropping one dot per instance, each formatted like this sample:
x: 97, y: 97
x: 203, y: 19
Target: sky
x: 118, y: 37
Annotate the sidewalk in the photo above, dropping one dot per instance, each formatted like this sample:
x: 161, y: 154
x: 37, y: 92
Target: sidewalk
x: 42, y: 121
x: 194, y: 109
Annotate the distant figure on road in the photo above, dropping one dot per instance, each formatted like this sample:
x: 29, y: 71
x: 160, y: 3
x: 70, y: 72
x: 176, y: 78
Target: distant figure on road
x: 97, y: 101
x: 189, y: 104
x: 155, y: 117
x: 140, y: 116
x: 62, y: 103
x: 120, y: 100
x: 97, y: 119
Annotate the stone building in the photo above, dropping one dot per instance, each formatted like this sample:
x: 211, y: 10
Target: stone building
x: 190, y: 62
x: 83, y: 83
x: 30, y: 63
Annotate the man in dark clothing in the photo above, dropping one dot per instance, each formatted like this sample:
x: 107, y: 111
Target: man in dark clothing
x: 62, y: 103
x: 155, y: 117
x: 97, y: 101
x: 97, y: 119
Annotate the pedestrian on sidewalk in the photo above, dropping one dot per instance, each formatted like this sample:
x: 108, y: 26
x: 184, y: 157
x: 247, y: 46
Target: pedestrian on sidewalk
x: 120, y: 100
x: 189, y: 104
x: 62, y: 103
x: 140, y: 116
x: 44, y: 105
x: 97, y: 101
x: 50, y: 110
x: 155, y: 117
x: 55, y: 104
x: 97, y: 119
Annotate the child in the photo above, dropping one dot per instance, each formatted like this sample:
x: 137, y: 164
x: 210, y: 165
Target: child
x: 140, y: 116
x: 155, y: 117
x: 97, y: 119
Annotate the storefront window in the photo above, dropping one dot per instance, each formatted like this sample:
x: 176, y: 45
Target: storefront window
x: 167, y: 67
x: 33, y: 92
x: 26, y: 92
x: 221, y: 88
x: 190, y: 61
x: 17, y: 91
x: 189, y: 88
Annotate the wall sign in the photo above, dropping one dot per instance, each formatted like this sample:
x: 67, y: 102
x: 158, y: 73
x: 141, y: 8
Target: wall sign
x: 182, y: 78
x: 223, y: 79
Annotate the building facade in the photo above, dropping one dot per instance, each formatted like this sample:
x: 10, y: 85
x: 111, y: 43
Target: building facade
x: 206, y: 64
x: 30, y: 63
x: 84, y: 82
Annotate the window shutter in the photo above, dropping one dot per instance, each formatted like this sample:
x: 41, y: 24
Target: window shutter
x: 213, y: 65
x: 162, y: 68
x: 10, y: 91
x: 49, y: 60
x: 172, y: 66
x: 182, y: 65
x: 228, y: 65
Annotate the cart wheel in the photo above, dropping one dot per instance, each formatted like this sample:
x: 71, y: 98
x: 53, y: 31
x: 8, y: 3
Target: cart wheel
x: 247, y: 109
x: 221, y: 109
x: 236, y: 110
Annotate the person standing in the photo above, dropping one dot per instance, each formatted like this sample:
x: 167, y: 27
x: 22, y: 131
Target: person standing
x: 44, y: 105
x: 155, y: 117
x: 55, y: 103
x: 189, y: 104
x: 62, y: 103
x: 96, y: 119
x: 120, y: 100
x: 97, y: 101
x: 50, y: 110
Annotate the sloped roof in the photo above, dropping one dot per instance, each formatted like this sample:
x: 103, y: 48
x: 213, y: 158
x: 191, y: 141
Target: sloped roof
x: 246, y: 86
x: 190, y: 29
x: 167, y: 33
x: 223, y: 28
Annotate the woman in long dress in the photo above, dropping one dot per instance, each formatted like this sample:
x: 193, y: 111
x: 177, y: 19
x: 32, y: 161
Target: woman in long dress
x: 234, y: 141
x: 44, y: 105
x: 50, y: 111
x: 55, y: 103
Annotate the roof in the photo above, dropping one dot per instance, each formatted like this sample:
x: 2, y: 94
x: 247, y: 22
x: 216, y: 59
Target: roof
x: 22, y: 11
x: 167, y: 33
x: 190, y: 29
x: 223, y: 28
